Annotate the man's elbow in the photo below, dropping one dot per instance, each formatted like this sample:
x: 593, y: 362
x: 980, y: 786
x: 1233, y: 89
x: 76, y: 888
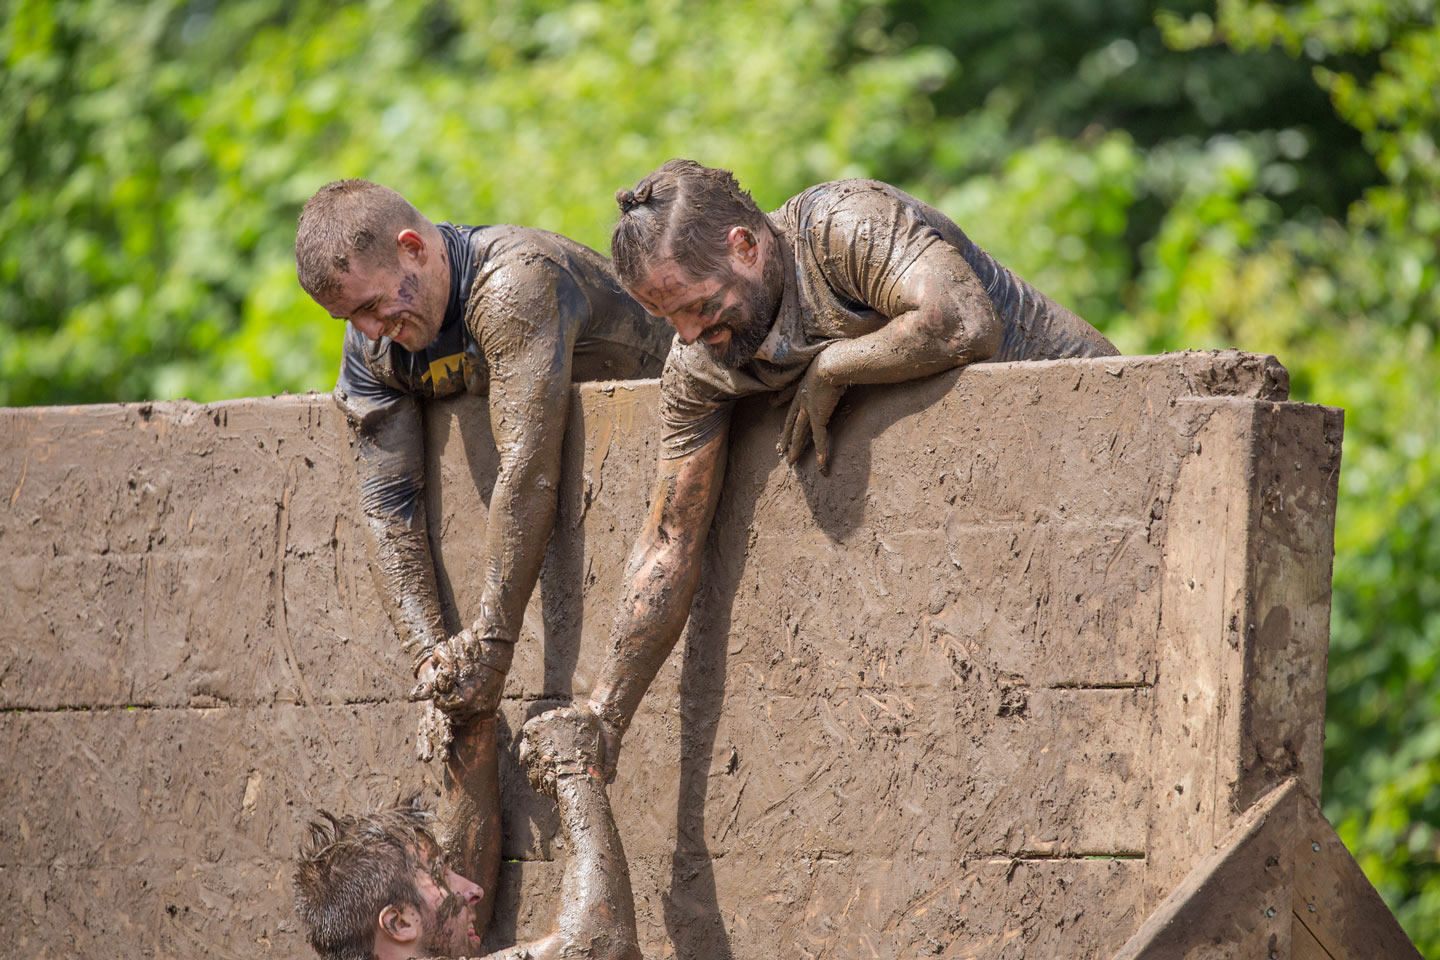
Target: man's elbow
x: 980, y: 337
x: 967, y: 332
x: 391, y: 499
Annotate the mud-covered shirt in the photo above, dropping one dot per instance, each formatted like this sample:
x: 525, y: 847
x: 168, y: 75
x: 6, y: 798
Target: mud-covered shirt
x: 613, y: 339
x: 847, y: 245
x: 617, y: 338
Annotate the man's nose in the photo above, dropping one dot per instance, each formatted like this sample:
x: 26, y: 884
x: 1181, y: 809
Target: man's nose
x: 369, y: 326
x: 688, y: 326
x: 471, y: 891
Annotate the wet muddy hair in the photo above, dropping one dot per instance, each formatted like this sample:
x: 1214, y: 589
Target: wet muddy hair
x: 340, y: 226
x: 351, y: 868
x: 683, y: 212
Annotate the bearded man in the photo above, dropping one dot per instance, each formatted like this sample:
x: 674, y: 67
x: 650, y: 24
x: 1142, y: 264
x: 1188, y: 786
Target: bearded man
x: 852, y: 282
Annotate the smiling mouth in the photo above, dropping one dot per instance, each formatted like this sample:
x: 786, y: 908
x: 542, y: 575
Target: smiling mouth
x: 716, y: 334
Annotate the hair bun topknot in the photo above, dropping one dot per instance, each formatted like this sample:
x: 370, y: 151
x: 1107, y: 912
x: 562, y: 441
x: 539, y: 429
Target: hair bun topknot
x: 630, y: 199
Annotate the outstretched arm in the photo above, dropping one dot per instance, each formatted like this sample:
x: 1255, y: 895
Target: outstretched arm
x: 945, y: 320
x: 526, y: 324
x: 660, y: 581
x: 387, y: 438
x: 561, y: 750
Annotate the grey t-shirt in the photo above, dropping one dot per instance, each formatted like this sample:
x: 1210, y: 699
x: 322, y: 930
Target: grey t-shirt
x: 847, y: 244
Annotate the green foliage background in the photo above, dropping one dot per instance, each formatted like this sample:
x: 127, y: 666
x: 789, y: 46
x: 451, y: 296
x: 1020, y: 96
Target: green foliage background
x: 1184, y: 174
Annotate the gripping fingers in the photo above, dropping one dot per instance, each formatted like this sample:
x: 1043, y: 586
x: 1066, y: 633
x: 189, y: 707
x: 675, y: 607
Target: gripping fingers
x: 799, y: 434
x: 822, y: 445
x: 434, y: 734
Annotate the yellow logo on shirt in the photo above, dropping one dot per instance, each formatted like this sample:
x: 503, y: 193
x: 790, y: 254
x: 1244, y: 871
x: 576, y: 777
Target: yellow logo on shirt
x: 447, y: 372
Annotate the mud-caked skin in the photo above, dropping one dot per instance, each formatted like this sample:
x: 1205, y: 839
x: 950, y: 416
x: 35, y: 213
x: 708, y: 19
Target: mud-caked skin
x: 561, y: 753
x: 852, y: 282
x: 528, y: 313
x: 844, y: 248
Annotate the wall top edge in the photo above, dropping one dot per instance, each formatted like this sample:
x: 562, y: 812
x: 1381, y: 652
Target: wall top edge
x: 1206, y: 373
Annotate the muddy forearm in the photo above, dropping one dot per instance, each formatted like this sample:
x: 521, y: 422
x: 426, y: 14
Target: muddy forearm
x: 390, y: 471
x: 942, y: 318
x: 470, y: 811
x: 660, y: 581
x: 597, y: 906
x: 660, y: 584
x: 517, y: 531
x: 405, y: 576
x: 915, y: 344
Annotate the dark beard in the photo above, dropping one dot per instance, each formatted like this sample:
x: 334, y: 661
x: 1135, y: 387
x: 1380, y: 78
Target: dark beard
x: 432, y: 928
x: 750, y: 320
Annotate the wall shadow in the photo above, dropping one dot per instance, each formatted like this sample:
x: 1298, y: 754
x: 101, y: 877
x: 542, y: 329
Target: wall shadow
x: 837, y: 499
x: 561, y: 583
x: 692, y: 911
x: 478, y: 444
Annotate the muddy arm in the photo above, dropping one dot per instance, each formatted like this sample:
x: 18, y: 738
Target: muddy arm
x: 946, y: 320
x: 469, y: 811
x: 596, y: 920
x: 525, y: 324
x: 660, y: 581
x: 529, y: 401
x: 388, y: 441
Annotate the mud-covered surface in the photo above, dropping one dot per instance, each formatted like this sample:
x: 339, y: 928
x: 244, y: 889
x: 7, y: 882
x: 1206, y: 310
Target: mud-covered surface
x: 927, y: 704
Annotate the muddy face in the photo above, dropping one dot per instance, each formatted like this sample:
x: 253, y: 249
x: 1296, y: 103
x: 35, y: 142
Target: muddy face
x: 447, y: 916
x: 730, y: 314
x: 398, y: 302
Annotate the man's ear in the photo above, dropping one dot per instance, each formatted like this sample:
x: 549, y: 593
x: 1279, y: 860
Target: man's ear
x: 399, y: 924
x: 410, y: 243
x: 742, y: 245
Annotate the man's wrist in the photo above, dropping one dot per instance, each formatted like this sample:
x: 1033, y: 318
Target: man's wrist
x: 611, y: 716
x: 421, y: 647
x: 830, y: 366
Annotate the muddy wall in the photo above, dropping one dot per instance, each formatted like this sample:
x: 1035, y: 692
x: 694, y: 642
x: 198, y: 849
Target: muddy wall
x: 988, y: 689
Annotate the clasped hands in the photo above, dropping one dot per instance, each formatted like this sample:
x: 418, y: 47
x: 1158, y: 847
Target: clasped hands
x: 461, y: 678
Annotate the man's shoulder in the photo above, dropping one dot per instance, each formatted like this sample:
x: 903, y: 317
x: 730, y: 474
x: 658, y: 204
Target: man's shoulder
x: 533, y: 247
x: 813, y: 202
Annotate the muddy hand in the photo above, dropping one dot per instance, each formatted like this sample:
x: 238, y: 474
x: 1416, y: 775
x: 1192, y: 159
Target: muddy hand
x: 809, y: 416
x: 434, y: 734
x: 455, y: 682
x: 558, y: 743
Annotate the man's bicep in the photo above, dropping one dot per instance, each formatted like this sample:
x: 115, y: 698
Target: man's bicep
x: 941, y: 280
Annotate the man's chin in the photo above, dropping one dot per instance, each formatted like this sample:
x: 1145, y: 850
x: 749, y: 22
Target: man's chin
x: 732, y: 357
x: 412, y: 341
x: 734, y: 351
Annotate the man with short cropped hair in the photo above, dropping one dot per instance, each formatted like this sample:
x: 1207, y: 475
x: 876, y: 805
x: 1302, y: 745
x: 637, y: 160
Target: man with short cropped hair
x: 852, y: 282
x: 379, y: 887
x: 435, y: 310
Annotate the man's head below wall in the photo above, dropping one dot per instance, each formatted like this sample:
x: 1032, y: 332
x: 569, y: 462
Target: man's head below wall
x: 693, y: 248
x: 378, y: 887
x: 366, y: 255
